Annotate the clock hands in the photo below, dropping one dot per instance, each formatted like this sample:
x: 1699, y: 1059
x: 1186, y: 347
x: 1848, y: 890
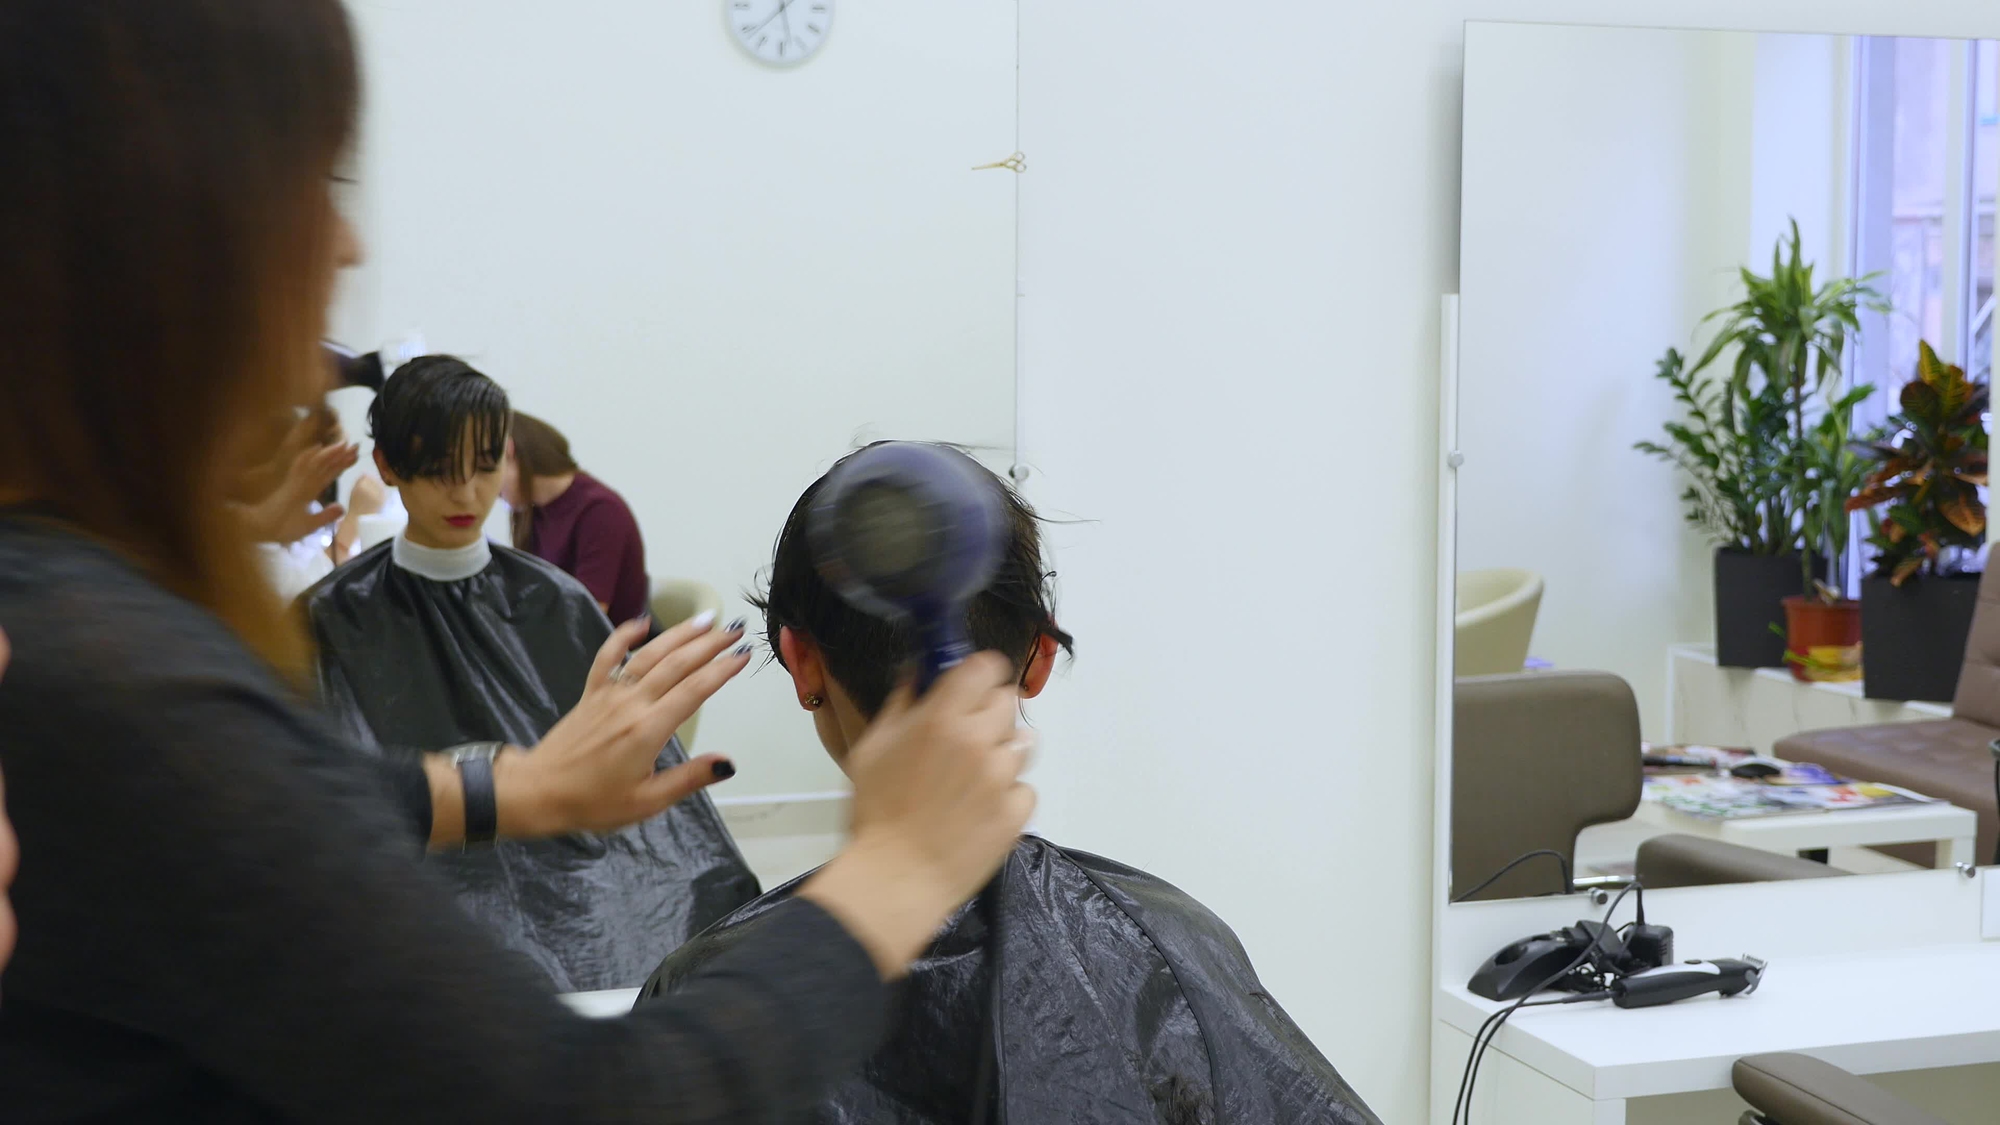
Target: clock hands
x: 782, y: 5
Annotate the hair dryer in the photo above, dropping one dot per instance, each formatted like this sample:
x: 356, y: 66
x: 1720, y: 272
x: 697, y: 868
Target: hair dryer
x: 911, y: 532
x: 351, y: 370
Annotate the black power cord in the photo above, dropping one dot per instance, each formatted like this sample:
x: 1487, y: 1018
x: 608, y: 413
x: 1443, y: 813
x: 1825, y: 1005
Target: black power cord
x: 1569, y: 884
x: 1461, y: 1111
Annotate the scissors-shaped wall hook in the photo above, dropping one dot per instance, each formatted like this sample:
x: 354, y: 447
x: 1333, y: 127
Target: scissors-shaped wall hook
x: 1014, y: 163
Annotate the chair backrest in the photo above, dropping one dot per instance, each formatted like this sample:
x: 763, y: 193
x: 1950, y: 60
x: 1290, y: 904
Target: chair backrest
x: 1978, y: 694
x: 675, y: 600
x: 1496, y: 620
x: 1676, y: 860
x: 1789, y: 1089
x: 1537, y: 758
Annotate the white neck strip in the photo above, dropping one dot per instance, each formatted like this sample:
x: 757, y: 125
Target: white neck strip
x: 442, y: 564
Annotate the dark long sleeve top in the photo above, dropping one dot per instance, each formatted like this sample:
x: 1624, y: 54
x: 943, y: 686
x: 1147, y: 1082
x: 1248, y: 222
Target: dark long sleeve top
x: 223, y: 917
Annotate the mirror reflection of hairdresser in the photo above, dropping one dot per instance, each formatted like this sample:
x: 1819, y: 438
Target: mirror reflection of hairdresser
x: 222, y: 914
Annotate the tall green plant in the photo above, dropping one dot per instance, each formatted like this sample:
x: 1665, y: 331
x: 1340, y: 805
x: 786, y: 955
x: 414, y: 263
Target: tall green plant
x: 1836, y: 469
x: 1764, y: 443
x: 1733, y: 454
x: 1928, y: 469
x: 1791, y: 334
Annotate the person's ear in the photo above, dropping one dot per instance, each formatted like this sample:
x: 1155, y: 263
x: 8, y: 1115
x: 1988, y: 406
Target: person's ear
x: 1040, y: 665
x: 801, y: 658
x: 382, y: 467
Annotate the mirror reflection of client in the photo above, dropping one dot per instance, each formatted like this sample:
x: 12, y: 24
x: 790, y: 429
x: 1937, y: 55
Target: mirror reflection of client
x: 438, y: 638
x: 1123, y: 1000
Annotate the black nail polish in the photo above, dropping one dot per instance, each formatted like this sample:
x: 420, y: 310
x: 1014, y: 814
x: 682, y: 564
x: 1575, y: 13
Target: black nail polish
x: 742, y: 650
x: 724, y: 770
x: 737, y: 626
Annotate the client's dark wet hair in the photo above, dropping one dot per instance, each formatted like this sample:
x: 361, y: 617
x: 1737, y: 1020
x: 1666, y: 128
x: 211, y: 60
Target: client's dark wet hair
x: 436, y: 414
x: 867, y: 654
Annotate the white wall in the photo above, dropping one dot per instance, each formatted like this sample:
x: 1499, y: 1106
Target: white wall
x: 1799, y: 148
x: 1607, y: 204
x: 713, y: 276
x: 1235, y: 229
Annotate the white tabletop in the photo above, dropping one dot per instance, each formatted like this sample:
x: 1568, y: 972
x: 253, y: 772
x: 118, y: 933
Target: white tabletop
x: 1794, y: 832
x: 1870, y: 1013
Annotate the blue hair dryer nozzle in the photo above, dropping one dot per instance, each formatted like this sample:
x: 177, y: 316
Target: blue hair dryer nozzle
x: 909, y: 531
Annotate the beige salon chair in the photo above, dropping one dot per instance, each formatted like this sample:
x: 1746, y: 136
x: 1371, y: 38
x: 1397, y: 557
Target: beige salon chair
x: 1496, y: 620
x: 675, y: 600
x: 1787, y: 1089
x: 1537, y: 758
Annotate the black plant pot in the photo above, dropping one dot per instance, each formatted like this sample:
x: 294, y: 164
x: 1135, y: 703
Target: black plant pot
x: 1750, y: 593
x: 1913, y: 638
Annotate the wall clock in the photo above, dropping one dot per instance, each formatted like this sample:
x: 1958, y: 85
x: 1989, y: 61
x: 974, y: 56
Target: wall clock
x: 779, y: 32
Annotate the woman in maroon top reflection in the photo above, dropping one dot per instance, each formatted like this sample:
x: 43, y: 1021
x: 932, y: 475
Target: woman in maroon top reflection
x: 568, y: 517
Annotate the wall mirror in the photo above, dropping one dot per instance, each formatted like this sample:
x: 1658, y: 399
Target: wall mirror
x: 713, y: 275
x: 1618, y: 184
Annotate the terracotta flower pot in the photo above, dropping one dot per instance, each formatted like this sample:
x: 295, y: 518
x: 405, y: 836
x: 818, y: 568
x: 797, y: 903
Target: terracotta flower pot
x: 1823, y: 642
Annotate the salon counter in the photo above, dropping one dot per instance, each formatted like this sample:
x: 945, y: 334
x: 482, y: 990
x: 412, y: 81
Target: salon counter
x: 1887, y: 977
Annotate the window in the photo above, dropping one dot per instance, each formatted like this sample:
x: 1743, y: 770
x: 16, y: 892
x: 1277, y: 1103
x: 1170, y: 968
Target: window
x: 1926, y: 165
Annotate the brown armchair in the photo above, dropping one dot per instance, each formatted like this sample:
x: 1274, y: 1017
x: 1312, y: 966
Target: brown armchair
x: 1787, y: 1089
x: 1675, y: 860
x: 1537, y: 758
x: 1948, y: 758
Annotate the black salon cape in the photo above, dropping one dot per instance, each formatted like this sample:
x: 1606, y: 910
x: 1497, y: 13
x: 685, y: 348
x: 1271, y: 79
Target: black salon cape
x: 410, y: 663
x: 1123, y: 1001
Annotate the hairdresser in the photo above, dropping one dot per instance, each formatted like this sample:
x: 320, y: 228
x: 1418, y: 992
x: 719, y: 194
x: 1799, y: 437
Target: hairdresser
x: 221, y: 914
x: 565, y: 516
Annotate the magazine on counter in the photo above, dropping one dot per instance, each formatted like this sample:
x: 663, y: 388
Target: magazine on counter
x: 1731, y: 798
x: 1691, y: 758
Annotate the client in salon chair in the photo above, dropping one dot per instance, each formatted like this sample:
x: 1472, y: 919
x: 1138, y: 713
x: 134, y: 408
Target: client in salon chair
x: 1121, y: 1000
x: 438, y: 638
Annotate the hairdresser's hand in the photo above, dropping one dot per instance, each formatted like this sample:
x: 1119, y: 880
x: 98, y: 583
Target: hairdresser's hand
x: 285, y: 514
x: 366, y: 498
x: 594, y: 770
x: 938, y: 804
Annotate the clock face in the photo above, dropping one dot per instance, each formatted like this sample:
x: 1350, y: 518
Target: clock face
x: 779, y: 32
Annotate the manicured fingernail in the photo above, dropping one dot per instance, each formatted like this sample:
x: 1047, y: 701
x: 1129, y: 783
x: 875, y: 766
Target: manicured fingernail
x: 643, y: 620
x: 701, y: 621
x: 742, y: 650
x: 724, y: 770
x: 737, y: 626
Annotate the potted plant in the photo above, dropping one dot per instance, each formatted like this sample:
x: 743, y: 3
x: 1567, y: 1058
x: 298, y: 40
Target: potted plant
x: 1823, y: 626
x: 1744, y: 444
x: 1927, y: 469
